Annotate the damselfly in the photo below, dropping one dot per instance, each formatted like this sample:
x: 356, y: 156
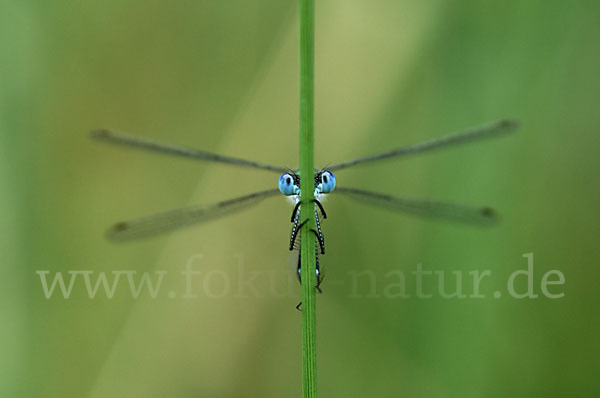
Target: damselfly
x: 289, y: 185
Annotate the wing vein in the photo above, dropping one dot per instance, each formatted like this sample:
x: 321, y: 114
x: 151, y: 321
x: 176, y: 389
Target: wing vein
x: 116, y: 138
x: 486, y: 131
x: 170, y: 220
x: 479, y: 215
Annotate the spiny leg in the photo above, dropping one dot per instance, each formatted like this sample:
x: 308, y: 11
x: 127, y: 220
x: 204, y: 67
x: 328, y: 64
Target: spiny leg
x: 317, y: 271
x: 297, y: 226
x: 319, y: 233
x: 297, y: 207
x: 299, y: 269
x: 295, y: 229
x: 295, y: 211
x: 320, y: 207
x: 319, y: 237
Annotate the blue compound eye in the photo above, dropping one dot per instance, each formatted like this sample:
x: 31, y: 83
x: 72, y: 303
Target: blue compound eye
x: 287, y: 186
x: 327, y: 183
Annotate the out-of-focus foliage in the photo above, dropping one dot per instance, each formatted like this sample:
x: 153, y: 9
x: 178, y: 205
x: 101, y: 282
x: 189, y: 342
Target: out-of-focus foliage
x: 223, y: 77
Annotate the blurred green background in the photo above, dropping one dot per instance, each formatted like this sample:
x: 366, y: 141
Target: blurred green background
x: 223, y: 77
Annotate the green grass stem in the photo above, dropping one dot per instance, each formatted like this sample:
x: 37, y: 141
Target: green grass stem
x: 309, y: 357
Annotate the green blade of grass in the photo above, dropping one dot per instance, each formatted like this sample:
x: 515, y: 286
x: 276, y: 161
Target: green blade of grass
x: 309, y: 359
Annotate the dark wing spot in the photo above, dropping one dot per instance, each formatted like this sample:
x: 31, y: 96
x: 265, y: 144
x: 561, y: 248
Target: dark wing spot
x: 121, y: 226
x: 100, y: 133
x: 507, y: 123
x: 488, y: 212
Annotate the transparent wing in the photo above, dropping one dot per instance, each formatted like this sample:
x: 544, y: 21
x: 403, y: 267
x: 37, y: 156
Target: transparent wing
x: 486, y: 131
x: 113, y: 137
x: 424, y: 207
x: 174, y: 219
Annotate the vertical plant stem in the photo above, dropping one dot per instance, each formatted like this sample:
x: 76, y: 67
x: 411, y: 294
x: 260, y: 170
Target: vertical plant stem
x: 307, y: 247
